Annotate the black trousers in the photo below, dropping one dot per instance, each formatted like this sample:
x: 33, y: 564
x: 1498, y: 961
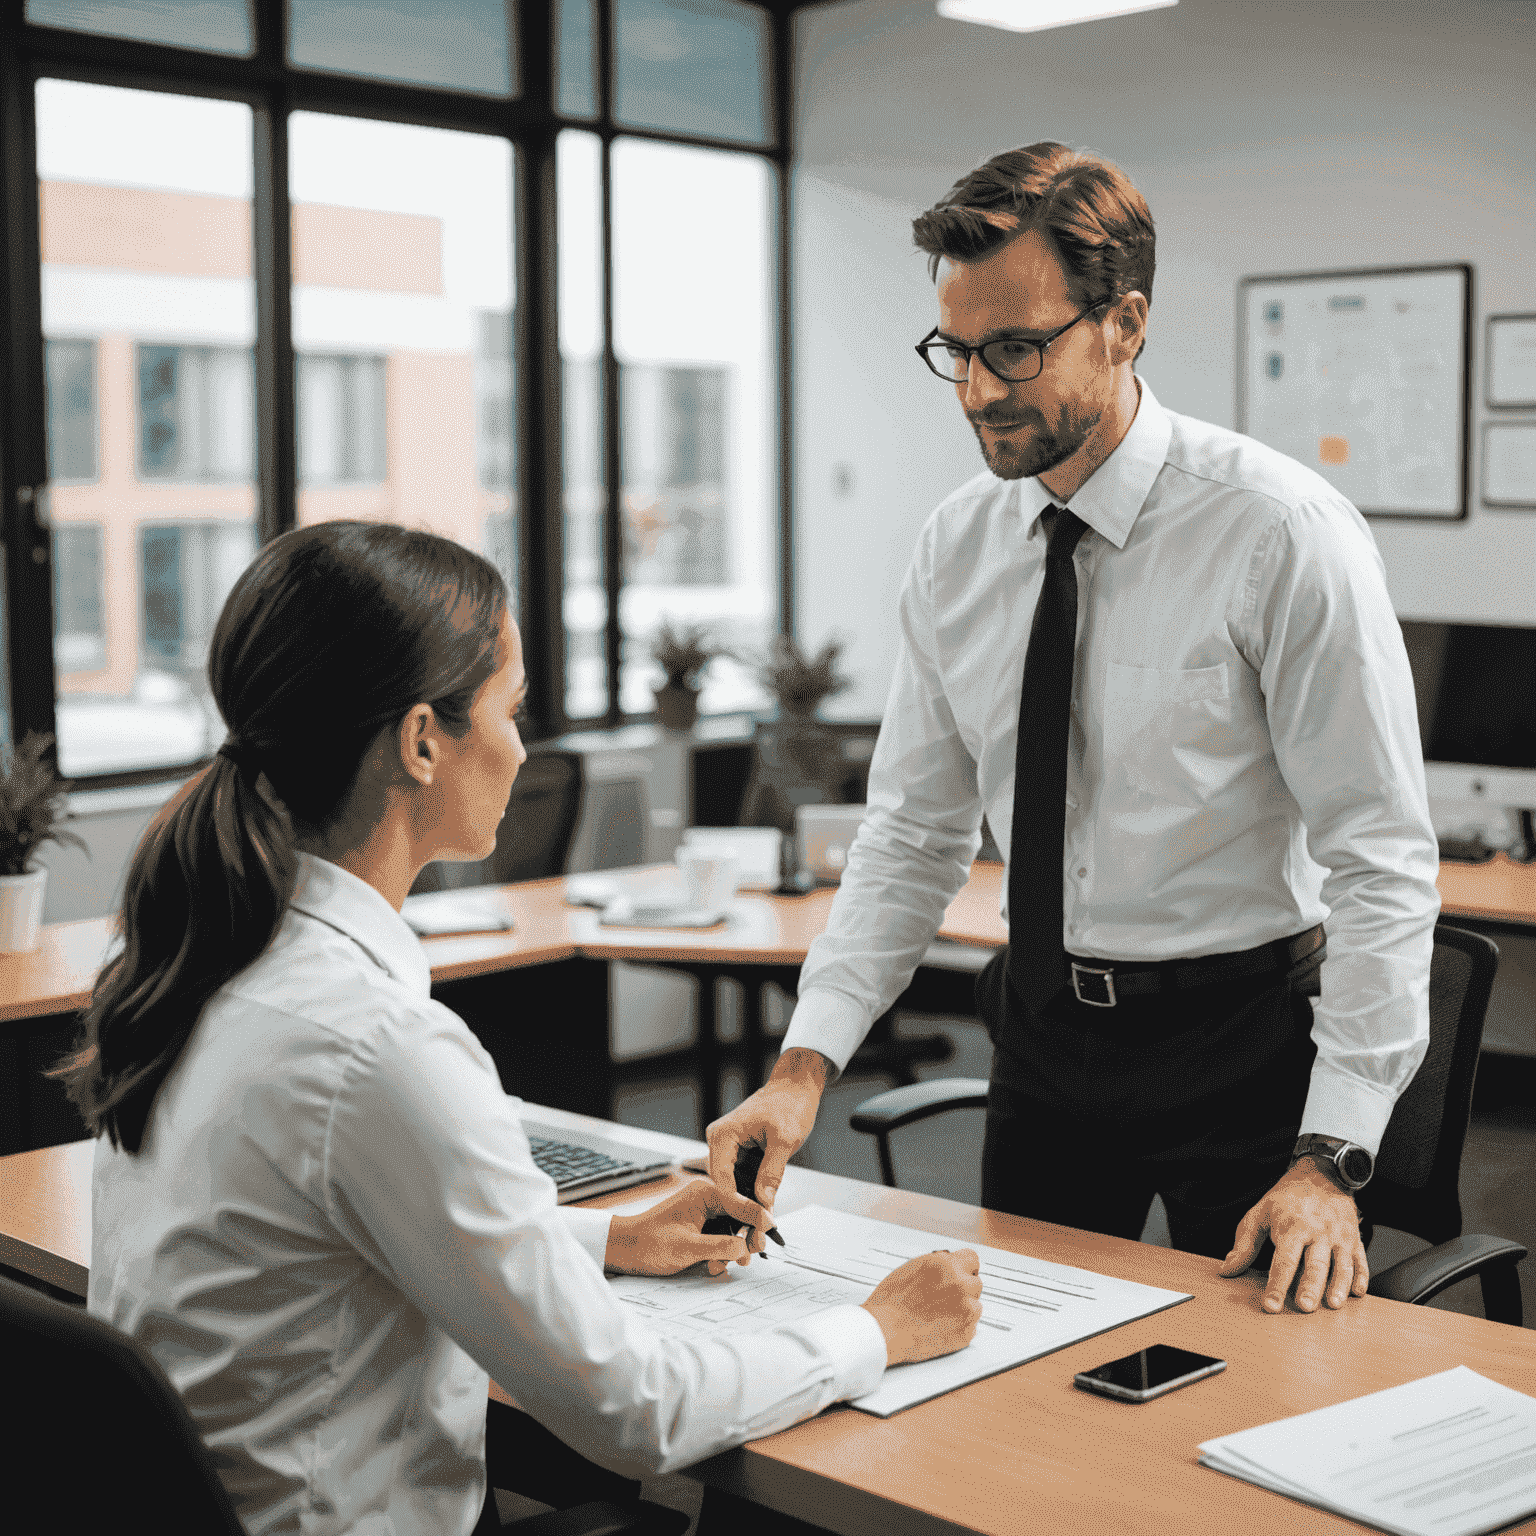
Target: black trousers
x: 1195, y: 1096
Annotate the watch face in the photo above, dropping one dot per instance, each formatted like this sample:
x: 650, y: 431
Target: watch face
x: 1356, y: 1165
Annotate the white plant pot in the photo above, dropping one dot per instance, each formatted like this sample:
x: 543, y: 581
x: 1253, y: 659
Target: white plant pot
x: 21, y: 909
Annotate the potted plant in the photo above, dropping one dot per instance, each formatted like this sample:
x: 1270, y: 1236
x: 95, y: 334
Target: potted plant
x: 682, y: 654
x: 32, y: 806
x: 800, y: 682
x: 796, y: 759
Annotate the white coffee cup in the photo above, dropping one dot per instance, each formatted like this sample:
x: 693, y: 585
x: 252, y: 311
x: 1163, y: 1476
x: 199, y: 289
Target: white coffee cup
x: 709, y: 876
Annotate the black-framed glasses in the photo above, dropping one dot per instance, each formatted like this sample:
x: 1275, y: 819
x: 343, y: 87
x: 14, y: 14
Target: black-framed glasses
x: 1010, y: 358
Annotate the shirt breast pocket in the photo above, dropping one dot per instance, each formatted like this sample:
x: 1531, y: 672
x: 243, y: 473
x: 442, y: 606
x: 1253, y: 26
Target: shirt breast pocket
x: 1166, y: 730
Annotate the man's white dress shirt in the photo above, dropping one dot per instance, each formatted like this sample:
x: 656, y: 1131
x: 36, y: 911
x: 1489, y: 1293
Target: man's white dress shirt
x: 1244, y: 759
x: 335, y: 1231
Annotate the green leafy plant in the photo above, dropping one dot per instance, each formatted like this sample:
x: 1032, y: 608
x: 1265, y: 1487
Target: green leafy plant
x: 683, y: 653
x: 800, y: 682
x: 32, y: 804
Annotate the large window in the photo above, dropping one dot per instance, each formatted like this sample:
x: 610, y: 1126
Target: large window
x: 149, y: 318
x: 694, y: 333
x: 403, y: 255
x: 510, y: 271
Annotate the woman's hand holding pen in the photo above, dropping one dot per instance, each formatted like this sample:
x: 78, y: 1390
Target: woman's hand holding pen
x: 669, y: 1237
x: 929, y: 1307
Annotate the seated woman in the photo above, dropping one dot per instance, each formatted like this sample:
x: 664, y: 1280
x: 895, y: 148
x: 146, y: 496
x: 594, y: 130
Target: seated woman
x: 314, y: 1203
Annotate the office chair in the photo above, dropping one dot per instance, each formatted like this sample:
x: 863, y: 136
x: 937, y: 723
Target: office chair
x: 809, y: 762
x: 96, y: 1411
x: 534, y: 840
x: 1417, y: 1170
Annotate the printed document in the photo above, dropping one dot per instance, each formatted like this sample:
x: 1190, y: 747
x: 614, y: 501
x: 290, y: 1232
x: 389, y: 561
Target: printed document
x: 1448, y: 1455
x: 1029, y: 1307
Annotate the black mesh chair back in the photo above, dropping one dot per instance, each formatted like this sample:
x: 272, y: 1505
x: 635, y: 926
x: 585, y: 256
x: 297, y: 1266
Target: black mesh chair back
x: 534, y: 841
x: 794, y: 763
x: 99, y: 1438
x: 1419, y: 1164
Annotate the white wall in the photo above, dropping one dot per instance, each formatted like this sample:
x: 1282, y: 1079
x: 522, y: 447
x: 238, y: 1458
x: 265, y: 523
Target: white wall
x: 1291, y: 135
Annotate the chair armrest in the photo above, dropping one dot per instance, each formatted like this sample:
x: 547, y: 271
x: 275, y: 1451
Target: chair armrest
x: 1425, y: 1275
x: 603, y: 1519
x: 896, y: 1107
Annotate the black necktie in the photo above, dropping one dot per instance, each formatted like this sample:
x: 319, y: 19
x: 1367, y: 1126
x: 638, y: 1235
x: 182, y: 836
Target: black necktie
x: 1036, y: 964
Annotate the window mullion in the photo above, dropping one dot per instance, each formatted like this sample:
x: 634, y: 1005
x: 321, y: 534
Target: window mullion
x: 23, y: 423
x: 613, y: 441
x: 536, y: 361
x: 782, y: 96
x: 276, y: 432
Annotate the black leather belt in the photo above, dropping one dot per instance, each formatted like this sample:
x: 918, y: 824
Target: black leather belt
x: 1102, y: 983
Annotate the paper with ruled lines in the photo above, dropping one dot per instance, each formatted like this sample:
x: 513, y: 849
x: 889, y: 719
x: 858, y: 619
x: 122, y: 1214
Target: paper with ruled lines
x: 1029, y: 1307
x: 1448, y: 1455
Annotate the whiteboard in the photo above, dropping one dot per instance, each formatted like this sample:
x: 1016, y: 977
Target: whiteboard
x: 1364, y: 377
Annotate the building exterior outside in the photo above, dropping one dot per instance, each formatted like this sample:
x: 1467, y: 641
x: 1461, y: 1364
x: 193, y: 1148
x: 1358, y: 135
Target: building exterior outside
x: 404, y: 412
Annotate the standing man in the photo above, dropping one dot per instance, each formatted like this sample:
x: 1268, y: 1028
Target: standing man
x: 1161, y: 658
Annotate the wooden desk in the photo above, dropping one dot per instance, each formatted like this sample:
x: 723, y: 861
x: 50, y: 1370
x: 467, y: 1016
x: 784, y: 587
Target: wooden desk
x: 563, y: 953
x: 1500, y: 891
x: 57, y: 976
x: 1020, y: 1451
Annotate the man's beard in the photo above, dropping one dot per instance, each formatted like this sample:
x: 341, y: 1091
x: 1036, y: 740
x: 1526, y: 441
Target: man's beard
x: 1040, y: 454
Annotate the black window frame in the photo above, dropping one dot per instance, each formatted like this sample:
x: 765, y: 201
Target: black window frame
x: 273, y: 88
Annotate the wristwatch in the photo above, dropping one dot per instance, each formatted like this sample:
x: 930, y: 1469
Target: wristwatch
x: 1349, y: 1162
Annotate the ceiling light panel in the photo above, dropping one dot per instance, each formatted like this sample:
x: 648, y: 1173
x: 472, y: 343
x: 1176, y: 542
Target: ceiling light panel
x: 1041, y: 15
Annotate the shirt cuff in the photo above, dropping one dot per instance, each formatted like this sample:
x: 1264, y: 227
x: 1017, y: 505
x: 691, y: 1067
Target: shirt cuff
x: 855, y: 1344
x: 590, y: 1229
x: 1339, y: 1104
x: 828, y: 1022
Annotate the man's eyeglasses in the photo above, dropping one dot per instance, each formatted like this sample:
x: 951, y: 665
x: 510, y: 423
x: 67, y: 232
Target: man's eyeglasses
x: 1010, y: 358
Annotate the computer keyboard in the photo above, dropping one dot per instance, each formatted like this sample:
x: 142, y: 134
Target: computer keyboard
x: 568, y: 1165
x: 1465, y: 850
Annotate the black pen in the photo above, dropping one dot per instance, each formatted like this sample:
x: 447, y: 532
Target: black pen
x: 748, y: 1161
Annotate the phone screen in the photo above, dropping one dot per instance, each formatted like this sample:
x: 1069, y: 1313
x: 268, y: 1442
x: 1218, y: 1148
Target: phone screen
x: 1151, y: 1368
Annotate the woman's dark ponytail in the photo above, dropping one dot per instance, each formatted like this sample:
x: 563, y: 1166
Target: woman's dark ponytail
x: 329, y: 637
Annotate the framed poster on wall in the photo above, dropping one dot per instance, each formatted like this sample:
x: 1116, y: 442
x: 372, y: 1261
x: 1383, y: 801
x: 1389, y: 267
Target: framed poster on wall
x: 1511, y: 353
x: 1364, y: 376
x: 1509, y: 464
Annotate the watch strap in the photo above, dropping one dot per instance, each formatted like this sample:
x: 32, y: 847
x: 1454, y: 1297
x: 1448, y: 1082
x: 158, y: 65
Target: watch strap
x: 1329, y: 1150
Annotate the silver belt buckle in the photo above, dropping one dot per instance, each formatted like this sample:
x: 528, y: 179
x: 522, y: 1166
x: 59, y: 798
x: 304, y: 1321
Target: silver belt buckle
x: 1108, y: 978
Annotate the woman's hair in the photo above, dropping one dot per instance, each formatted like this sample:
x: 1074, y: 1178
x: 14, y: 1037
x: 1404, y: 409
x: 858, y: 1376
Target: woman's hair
x: 1086, y: 207
x: 329, y: 637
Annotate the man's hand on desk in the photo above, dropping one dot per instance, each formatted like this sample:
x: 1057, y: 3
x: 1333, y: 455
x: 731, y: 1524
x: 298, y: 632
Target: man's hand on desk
x: 778, y: 1118
x: 1315, y: 1227
x: 668, y: 1237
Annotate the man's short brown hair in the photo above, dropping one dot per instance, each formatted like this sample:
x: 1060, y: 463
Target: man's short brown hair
x: 1086, y: 206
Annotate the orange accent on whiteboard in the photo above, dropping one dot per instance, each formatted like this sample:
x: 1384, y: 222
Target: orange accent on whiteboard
x: 1333, y: 450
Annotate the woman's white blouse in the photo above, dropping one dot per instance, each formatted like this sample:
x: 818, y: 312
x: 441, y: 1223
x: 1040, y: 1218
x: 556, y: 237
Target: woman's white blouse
x: 334, y: 1232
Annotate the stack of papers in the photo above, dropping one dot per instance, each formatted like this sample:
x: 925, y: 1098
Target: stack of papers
x: 1029, y: 1308
x: 757, y: 849
x: 439, y: 912
x: 1448, y: 1455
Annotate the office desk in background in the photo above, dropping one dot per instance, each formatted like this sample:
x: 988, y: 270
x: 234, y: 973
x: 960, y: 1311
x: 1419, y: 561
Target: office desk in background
x: 561, y: 956
x: 1023, y: 1450
x: 56, y: 977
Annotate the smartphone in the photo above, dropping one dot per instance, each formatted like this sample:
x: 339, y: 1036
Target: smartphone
x: 1148, y: 1373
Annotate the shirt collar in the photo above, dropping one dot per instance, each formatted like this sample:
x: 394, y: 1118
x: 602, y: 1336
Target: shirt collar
x: 1110, y: 498
x: 336, y: 897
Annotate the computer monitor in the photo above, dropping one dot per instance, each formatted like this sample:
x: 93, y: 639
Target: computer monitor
x: 1476, y: 691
